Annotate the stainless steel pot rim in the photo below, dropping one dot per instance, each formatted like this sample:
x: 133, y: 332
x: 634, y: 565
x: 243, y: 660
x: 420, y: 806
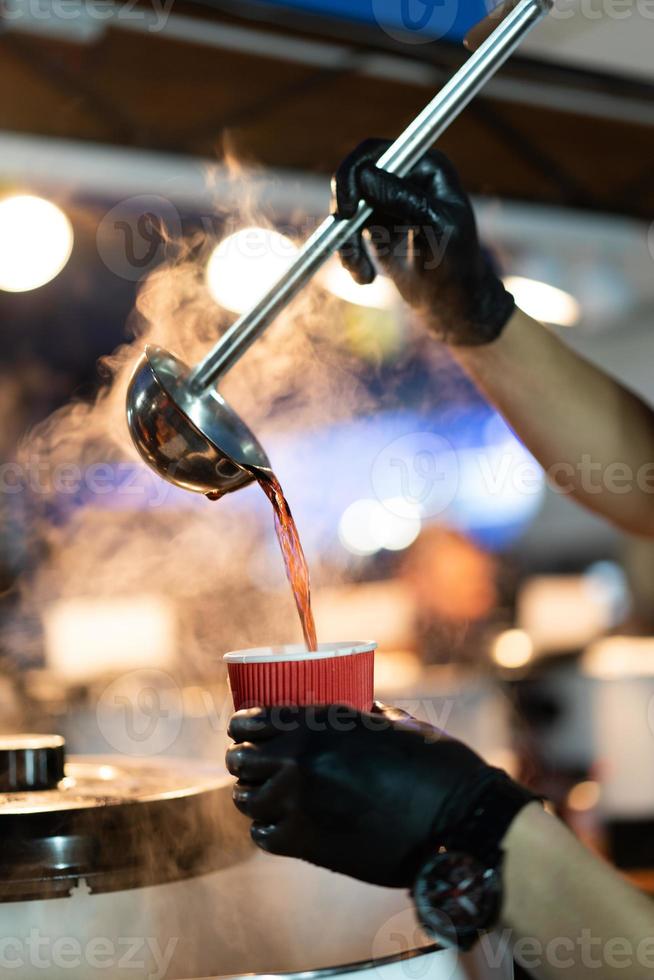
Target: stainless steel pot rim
x: 335, y: 971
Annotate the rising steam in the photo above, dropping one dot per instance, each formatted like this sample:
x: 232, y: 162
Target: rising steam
x: 205, y: 557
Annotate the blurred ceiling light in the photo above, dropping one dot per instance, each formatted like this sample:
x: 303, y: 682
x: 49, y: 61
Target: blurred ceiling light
x: 562, y: 612
x: 367, y: 526
x: 620, y: 657
x: 513, y: 649
x: 379, y: 295
x: 89, y: 637
x: 243, y: 267
x: 544, y: 302
x: 36, y: 240
x: 356, y: 528
x: 584, y: 796
x: 399, y: 523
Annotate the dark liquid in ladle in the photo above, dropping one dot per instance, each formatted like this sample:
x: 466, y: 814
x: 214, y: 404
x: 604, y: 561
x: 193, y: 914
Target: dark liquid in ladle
x: 297, y: 570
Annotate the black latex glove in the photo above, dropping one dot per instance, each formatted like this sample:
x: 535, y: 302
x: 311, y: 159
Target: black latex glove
x: 368, y: 795
x: 424, y: 237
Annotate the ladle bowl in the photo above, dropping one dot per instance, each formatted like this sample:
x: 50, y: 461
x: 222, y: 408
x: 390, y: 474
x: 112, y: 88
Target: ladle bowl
x: 191, y: 439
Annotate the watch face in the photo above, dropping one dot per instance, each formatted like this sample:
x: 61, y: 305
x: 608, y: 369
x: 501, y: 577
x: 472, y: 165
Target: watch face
x: 456, y: 896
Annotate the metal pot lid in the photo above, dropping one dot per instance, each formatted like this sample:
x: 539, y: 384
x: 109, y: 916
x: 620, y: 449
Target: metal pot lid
x: 115, y: 823
x: 31, y: 762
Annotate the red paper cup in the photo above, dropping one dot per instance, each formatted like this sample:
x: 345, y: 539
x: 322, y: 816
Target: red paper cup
x: 337, y: 673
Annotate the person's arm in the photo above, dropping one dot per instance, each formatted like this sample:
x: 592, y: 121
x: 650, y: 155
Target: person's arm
x: 593, y: 437
x: 569, y: 913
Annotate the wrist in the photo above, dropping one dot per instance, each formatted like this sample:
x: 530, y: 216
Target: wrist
x: 533, y: 832
x: 494, y: 804
x: 479, y: 315
x: 482, y: 359
x: 526, y: 827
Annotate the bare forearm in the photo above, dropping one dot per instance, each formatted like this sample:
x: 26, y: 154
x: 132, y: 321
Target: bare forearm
x: 594, y: 438
x: 569, y: 914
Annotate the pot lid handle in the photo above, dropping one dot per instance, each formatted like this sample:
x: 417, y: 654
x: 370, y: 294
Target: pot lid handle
x: 31, y: 762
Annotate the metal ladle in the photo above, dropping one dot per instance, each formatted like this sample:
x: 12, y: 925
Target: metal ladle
x: 179, y: 423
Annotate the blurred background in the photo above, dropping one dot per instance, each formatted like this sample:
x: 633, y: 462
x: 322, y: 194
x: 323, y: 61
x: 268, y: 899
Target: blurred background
x: 159, y: 163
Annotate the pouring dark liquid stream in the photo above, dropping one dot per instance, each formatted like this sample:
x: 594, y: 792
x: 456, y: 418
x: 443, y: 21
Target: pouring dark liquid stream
x: 297, y: 570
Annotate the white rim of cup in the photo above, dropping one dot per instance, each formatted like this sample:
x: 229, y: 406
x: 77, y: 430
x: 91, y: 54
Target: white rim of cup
x: 296, y: 651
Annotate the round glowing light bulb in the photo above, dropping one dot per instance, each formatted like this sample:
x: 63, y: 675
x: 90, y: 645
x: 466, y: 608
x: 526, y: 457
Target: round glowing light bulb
x: 245, y: 265
x: 544, y: 302
x: 513, y: 649
x: 36, y: 240
x: 367, y: 526
x: 398, y: 523
x: 357, y: 528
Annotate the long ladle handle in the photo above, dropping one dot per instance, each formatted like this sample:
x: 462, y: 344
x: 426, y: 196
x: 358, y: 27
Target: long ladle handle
x: 400, y: 158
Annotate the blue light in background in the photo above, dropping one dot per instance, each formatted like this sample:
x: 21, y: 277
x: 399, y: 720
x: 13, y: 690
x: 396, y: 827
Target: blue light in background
x: 486, y: 483
x: 422, y: 19
x: 471, y: 474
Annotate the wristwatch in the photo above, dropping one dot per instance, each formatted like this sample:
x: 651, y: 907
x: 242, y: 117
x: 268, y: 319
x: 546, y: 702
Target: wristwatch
x: 458, y: 890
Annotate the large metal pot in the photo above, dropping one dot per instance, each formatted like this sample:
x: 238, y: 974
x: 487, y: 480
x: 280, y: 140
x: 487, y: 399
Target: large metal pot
x: 117, y: 868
